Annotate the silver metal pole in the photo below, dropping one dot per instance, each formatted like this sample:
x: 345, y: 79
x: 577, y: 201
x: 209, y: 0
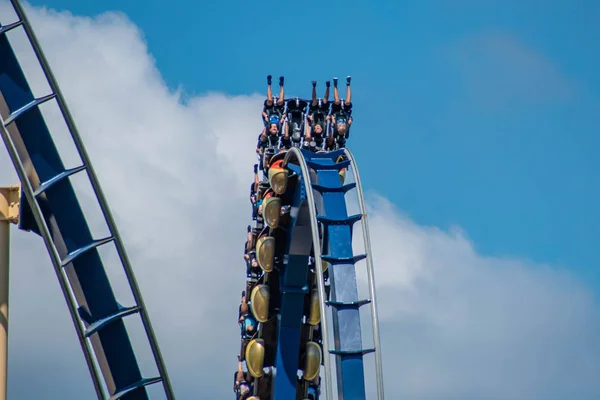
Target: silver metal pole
x: 371, y: 277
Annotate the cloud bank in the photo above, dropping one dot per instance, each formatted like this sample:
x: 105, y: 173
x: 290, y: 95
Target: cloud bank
x: 454, y: 324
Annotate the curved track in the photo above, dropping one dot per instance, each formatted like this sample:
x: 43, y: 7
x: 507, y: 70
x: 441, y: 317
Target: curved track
x: 305, y: 297
x: 318, y: 231
x: 50, y: 208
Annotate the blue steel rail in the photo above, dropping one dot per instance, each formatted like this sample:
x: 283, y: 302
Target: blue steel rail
x: 320, y: 227
x: 51, y: 209
x: 335, y: 248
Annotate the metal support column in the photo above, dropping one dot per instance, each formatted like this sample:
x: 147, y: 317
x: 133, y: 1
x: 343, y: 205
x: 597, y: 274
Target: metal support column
x: 9, y: 213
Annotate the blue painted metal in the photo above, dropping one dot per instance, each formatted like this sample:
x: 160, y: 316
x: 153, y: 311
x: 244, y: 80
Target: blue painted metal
x: 302, y: 170
x: 338, y: 245
x: 52, y: 210
x: 293, y: 288
x: 67, y: 222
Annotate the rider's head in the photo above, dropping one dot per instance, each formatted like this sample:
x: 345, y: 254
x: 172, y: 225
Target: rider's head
x: 244, y: 391
x: 342, y: 127
x: 318, y: 129
x: 273, y: 129
x: 274, y: 119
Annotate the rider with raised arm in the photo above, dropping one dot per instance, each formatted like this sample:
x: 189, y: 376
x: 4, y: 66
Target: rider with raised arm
x: 246, y: 320
x: 243, y: 383
x: 341, y: 113
x: 273, y: 111
x: 273, y: 117
x: 317, y: 114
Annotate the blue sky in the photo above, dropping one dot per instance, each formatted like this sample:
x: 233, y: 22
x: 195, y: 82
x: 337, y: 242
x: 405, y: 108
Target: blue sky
x: 481, y: 119
x: 479, y: 114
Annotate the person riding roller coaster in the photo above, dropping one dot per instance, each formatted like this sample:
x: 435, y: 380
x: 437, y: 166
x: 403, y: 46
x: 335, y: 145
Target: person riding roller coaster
x: 317, y: 117
x: 246, y: 321
x: 341, y: 113
x: 243, y: 383
x: 313, y: 389
x: 274, y: 120
x: 273, y: 111
x: 295, y: 122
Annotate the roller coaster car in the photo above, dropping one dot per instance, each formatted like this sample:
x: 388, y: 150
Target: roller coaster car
x: 255, y: 356
x: 250, y: 283
x: 247, y: 377
x: 274, y: 112
x: 244, y: 343
x: 264, y: 387
x: 312, y: 359
x: 307, y: 390
x: 313, y: 391
x: 318, y: 116
x: 341, y: 114
x: 316, y: 335
x: 296, y: 111
x: 340, y: 142
x: 268, y: 153
x: 319, y: 112
x: 265, y: 253
x: 277, y: 175
x: 317, y: 142
x: 269, y: 335
x: 259, y: 303
x: 308, y: 333
x: 253, y: 273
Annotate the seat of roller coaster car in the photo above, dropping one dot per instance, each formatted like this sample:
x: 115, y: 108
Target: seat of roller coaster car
x: 315, y: 144
x: 265, y: 231
x: 273, y: 142
x: 345, y: 107
x: 275, y: 158
x: 296, y: 112
x: 321, y: 106
x: 265, y: 161
x: 296, y: 104
x: 319, y: 117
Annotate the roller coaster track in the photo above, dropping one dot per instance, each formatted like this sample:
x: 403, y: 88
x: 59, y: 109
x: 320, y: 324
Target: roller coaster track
x: 51, y: 209
x: 320, y: 228
x: 348, y: 392
x: 319, y: 231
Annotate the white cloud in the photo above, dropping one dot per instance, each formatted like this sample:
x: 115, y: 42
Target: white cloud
x: 454, y: 324
x: 467, y: 326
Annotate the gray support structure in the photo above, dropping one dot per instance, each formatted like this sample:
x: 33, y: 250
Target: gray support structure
x: 50, y: 208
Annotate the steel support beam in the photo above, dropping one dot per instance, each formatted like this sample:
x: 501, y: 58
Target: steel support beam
x: 9, y: 213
